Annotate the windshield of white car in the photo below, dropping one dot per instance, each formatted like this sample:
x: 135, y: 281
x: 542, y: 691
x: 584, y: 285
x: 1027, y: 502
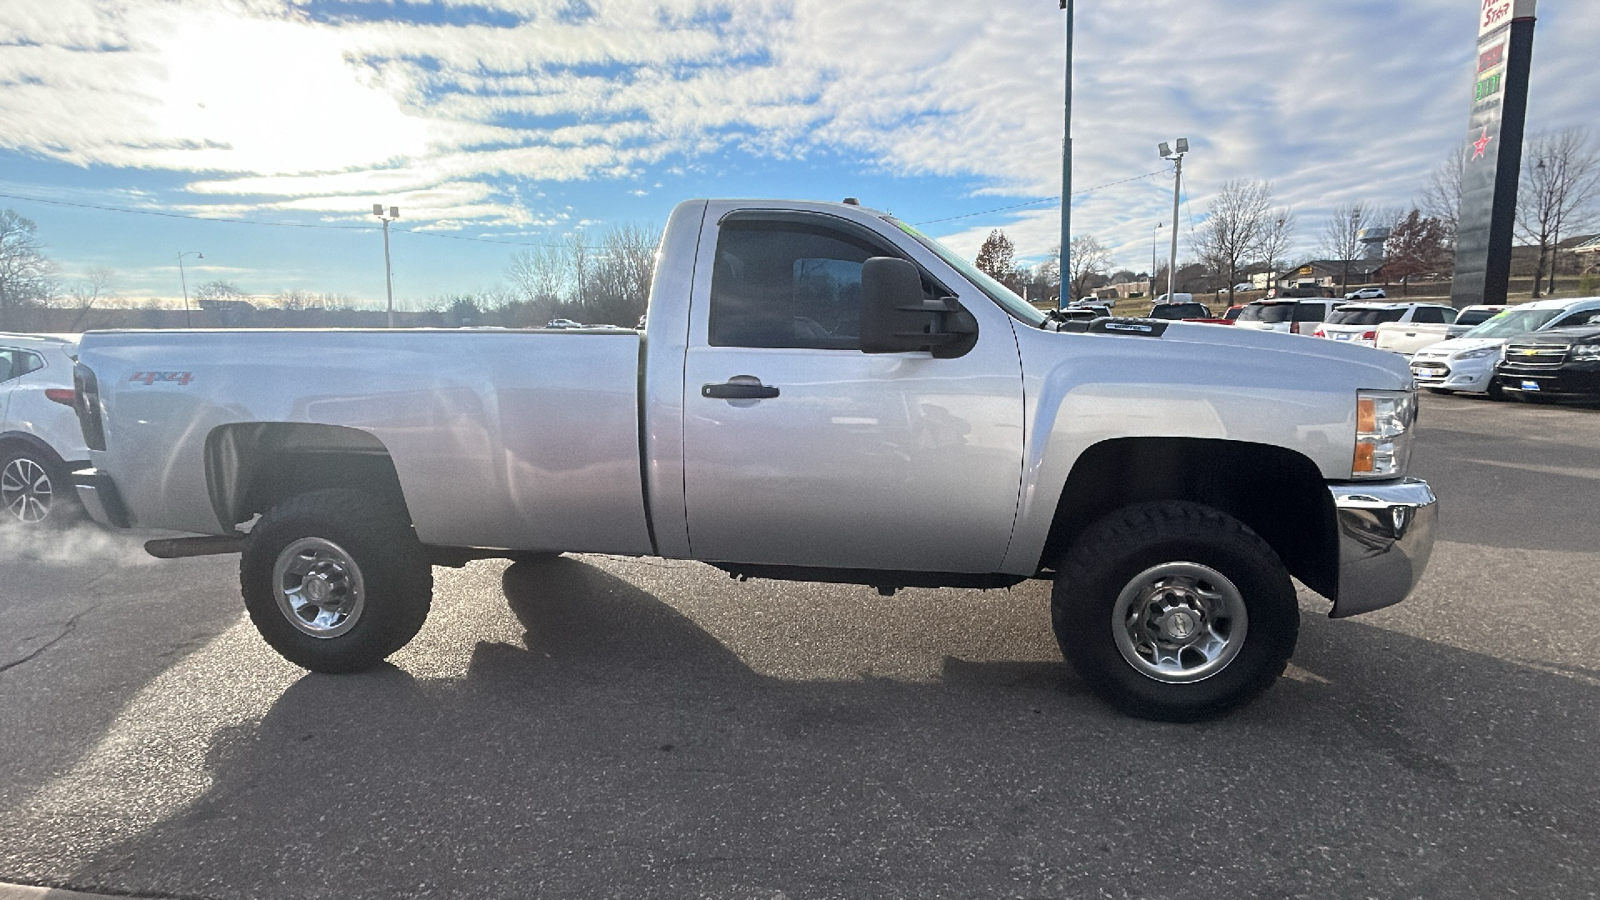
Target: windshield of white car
x: 996, y: 291
x: 1512, y: 322
x: 1365, y: 316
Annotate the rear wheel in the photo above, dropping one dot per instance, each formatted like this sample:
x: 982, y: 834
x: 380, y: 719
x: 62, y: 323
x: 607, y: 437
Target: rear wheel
x: 1174, y: 611
x: 34, y: 489
x: 336, y: 580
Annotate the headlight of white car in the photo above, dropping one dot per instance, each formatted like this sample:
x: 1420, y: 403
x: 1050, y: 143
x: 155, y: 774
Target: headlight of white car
x: 1479, y: 353
x: 1383, y: 433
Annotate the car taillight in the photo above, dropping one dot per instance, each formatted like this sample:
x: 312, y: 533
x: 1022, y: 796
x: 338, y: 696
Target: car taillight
x: 1369, y: 335
x: 1319, y: 333
x: 63, y: 396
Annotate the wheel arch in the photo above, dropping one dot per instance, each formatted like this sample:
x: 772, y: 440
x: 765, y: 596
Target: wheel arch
x: 1279, y: 493
x: 19, y: 440
x: 253, y: 466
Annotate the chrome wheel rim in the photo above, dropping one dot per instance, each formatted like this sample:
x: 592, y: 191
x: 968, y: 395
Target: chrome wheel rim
x: 1179, y: 622
x: 318, y: 587
x: 25, y: 490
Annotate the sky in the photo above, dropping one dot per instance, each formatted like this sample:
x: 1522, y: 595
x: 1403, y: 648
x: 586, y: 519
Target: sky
x: 255, y: 135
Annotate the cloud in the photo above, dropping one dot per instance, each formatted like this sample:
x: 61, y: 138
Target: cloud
x: 452, y: 107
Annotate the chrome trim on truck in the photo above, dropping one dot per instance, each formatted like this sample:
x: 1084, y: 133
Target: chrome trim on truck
x: 1385, y: 538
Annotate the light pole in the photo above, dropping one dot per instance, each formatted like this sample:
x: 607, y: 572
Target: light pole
x: 388, y: 270
x: 1066, y: 161
x: 1177, y: 183
x: 184, y: 280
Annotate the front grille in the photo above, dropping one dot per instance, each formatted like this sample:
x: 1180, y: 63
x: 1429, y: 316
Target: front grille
x: 1535, y: 356
x: 1430, y: 371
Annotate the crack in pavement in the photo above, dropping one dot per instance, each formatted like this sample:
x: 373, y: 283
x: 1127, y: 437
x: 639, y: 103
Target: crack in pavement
x: 67, y: 629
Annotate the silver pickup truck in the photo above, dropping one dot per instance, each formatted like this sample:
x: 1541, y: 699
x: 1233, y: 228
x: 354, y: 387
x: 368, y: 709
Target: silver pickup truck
x: 821, y: 393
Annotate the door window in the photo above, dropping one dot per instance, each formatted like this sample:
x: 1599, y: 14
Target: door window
x: 787, y: 284
x: 17, y: 363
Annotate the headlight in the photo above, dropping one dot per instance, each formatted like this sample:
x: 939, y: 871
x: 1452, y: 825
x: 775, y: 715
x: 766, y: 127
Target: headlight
x: 1383, y: 433
x: 1479, y: 353
x: 1586, y: 351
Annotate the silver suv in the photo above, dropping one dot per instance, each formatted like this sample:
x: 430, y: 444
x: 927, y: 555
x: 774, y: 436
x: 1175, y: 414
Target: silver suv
x: 40, y: 441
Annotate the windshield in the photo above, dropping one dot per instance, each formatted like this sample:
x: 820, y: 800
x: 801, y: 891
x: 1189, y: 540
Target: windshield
x: 1179, y: 311
x: 996, y: 291
x: 1365, y: 316
x: 1475, y: 317
x: 1513, y: 322
x: 1267, y: 312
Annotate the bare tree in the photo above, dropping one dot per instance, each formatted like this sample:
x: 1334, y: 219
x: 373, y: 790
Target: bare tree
x: 621, y: 275
x: 27, y: 276
x: 1441, y: 196
x: 1341, y: 237
x: 1235, y: 228
x: 1275, y: 241
x: 1087, y: 262
x: 1556, y: 194
x: 93, y: 287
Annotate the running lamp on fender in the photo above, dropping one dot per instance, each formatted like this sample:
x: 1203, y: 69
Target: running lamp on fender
x: 1383, y: 433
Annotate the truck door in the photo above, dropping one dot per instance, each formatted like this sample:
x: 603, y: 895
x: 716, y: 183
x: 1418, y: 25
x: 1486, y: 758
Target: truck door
x: 801, y: 450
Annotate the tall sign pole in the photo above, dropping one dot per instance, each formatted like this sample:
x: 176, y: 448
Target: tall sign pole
x: 1494, y: 153
x: 1066, y: 167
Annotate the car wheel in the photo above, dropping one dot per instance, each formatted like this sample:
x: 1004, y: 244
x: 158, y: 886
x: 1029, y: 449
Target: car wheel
x: 1174, y: 611
x: 34, y: 489
x: 336, y: 580
x: 1494, y: 391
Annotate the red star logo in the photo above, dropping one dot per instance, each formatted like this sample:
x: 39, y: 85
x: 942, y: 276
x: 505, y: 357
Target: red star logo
x: 1481, y: 144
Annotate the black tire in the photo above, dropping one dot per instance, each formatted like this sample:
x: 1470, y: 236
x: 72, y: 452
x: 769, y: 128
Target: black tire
x: 366, y: 586
x: 1495, y: 391
x: 35, y: 490
x: 1171, y: 553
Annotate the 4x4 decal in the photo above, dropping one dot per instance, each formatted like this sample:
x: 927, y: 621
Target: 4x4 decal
x: 153, y: 377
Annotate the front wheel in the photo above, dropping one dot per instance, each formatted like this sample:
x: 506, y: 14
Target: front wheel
x: 1174, y: 611
x: 336, y: 580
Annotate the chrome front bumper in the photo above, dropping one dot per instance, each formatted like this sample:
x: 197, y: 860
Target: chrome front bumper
x: 1385, y: 539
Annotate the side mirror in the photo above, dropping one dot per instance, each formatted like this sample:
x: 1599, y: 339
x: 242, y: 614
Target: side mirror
x: 896, y: 318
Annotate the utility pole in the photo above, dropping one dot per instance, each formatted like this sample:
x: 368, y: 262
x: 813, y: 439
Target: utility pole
x: 1177, y: 185
x: 388, y: 270
x: 1066, y: 165
x: 188, y: 322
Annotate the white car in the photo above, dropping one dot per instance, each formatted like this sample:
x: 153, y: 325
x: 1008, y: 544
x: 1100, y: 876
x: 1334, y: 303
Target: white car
x: 1467, y: 363
x: 1358, y: 322
x: 1366, y: 293
x: 40, y: 441
x: 1292, y: 315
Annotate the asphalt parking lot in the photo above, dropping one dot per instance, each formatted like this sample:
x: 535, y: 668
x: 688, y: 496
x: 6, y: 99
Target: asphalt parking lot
x: 607, y: 727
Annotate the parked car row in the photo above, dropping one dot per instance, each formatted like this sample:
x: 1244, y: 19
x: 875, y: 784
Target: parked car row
x: 1468, y: 364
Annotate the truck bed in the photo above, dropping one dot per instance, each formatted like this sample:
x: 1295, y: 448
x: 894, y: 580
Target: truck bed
x: 520, y: 438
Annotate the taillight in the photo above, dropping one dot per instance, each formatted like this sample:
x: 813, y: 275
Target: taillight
x: 63, y: 396
x: 88, y: 407
x: 1319, y: 333
x: 1369, y: 335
